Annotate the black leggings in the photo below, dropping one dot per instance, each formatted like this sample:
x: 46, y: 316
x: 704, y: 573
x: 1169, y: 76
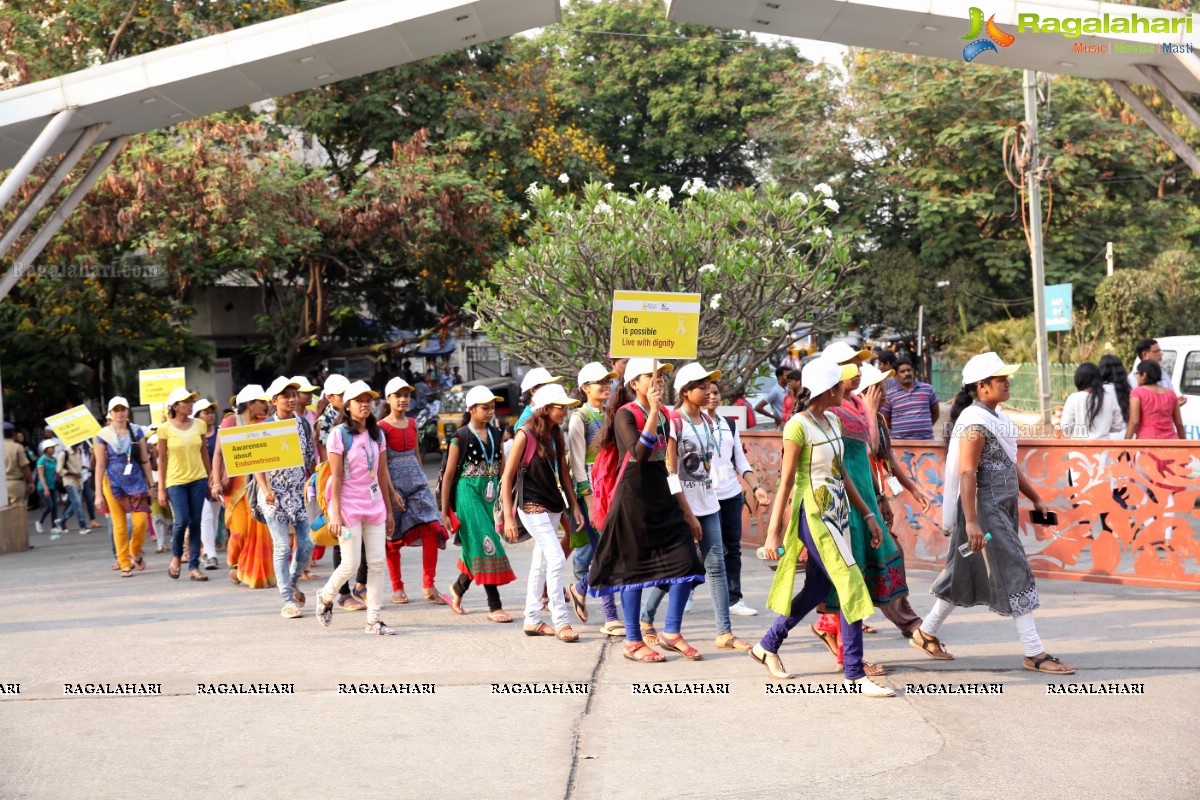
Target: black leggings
x: 361, y: 577
x: 493, y: 593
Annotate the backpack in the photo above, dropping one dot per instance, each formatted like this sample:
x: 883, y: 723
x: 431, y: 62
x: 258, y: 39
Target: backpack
x: 319, y: 516
x: 606, y: 470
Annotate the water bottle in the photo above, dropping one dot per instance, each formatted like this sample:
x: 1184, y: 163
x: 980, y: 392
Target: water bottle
x: 965, y: 550
x: 761, y: 553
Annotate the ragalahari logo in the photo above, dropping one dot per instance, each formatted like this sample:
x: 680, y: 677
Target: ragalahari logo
x: 995, y: 36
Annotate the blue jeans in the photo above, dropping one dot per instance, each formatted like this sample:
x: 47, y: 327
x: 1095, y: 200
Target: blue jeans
x: 187, y: 506
x: 631, y: 601
x: 49, y: 498
x: 73, y: 504
x: 581, y: 560
x: 712, y: 550
x: 289, y: 566
x: 731, y: 535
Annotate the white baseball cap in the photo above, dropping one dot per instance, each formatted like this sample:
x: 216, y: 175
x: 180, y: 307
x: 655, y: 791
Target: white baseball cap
x: 395, y: 385
x: 692, y: 372
x: 553, y: 395
x: 46, y: 444
x: 252, y: 392
x: 358, y: 389
x: 822, y: 374
x: 644, y: 366
x: 304, y: 385
x: 842, y: 352
x: 335, y: 384
x: 116, y: 402
x: 984, y: 366
x: 481, y: 395
x: 872, y: 375
x: 279, y: 384
x: 201, y: 404
x: 538, y: 376
x: 179, y: 395
x: 595, y: 372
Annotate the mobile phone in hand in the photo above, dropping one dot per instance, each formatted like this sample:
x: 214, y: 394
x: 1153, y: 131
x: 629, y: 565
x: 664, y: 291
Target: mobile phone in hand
x: 1038, y: 518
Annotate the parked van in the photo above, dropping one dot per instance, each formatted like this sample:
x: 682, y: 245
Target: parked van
x: 1181, y: 361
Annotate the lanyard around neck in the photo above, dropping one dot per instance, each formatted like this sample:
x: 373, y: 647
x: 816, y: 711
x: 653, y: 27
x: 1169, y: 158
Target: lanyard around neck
x: 489, y: 451
x: 707, y: 431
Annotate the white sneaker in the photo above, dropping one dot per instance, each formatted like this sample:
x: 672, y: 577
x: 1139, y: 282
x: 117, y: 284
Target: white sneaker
x: 37, y: 526
x: 740, y: 609
x: 688, y: 607
x: 378, y: 628
x: 57, y: 530
x: 869, y: 688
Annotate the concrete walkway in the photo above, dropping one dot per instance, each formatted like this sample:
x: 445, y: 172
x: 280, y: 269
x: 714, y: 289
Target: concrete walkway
x: 70, y: 620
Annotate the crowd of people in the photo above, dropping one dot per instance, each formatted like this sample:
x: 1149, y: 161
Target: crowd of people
x: 643, y: 501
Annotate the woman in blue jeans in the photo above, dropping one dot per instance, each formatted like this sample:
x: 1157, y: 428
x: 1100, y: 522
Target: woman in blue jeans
x: 283, y: 491
x: 690, y: 456
x: 183, y: 469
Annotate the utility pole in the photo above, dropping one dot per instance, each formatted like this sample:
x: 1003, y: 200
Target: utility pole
x: 949, y: 307
x: 1108, y: 256
x: 1032, y: 183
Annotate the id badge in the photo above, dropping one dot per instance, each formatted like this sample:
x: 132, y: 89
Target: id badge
x: 708, y: 486
x: 724, y: 473
x: 129, y: 469
x: 489, y: 494
x: 673, y: 484
x: 374, y: 490
x: 893, y: 484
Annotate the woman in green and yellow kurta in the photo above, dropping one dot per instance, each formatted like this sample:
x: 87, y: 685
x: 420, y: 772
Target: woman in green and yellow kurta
x: 813, y: 474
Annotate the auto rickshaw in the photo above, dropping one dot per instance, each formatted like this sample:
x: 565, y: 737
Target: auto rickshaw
x: 454, y: 404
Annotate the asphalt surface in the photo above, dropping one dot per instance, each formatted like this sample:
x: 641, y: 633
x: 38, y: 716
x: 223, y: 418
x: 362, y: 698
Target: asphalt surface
x: 69, y: 620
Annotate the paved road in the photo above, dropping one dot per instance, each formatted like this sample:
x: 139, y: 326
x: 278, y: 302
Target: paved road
x: 69, y: 619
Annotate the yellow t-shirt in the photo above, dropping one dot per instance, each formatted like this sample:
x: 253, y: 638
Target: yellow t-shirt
x: 184, y: 462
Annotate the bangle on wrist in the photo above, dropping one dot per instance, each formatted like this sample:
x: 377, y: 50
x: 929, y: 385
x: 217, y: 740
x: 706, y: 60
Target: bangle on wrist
x: 869, y: 515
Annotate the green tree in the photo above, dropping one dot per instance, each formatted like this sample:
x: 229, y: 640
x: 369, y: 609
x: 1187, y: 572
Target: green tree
x: 1159, y: 300
x: 762, y: 260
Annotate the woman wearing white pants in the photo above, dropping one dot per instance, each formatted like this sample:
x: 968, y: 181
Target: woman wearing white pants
x: 543, y: 497
x: 359, y: 502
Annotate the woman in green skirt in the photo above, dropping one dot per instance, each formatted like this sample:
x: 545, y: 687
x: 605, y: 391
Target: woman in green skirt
x: 470, y: 489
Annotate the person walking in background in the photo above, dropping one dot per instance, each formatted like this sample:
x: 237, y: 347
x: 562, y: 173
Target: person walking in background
x: 1153, y: 409
x: 123, y: 479
x: 730, y: 468
x: 1112, y: 372
x: 980, y: 497
x: 1092, y: 412
x: 304, y: 394
x: 332, y: 394
x: 544, y: 496
x: 531, y: 384
x: 813, y: 483
x: 183, y: 473
x: 772, y: 405
x: 206, y: 411
x: 17, y: 471
x: 470, y: 489
x: 795, y: 384
x: 416, y: 510
x: 912, y: 407
x: 72, y: 485
x: 88, y: 455
x: 47, y: 485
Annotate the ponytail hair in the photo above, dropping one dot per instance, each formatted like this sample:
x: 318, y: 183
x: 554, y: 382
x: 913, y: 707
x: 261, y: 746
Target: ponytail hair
x: 620, y: 396
x: 964, y: 398
x: 802, y: 400
x: 1087, y: 378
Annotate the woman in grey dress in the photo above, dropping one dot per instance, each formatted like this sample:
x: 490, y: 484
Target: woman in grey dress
x: 982, y: 484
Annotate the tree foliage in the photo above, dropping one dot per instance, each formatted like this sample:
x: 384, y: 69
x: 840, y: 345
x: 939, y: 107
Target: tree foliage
x: 1159, y: 300
x: 763, y: 261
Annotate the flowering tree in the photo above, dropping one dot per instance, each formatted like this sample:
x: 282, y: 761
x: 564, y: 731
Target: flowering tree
x: 763, y: 261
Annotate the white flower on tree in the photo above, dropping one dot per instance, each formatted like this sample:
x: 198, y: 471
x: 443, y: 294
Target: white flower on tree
x: 715, y: 302
x: 831, y: 204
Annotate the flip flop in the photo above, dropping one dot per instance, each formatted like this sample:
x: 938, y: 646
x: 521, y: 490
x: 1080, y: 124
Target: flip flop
x: 579, y: 603
x: 541, y: 629
x: 500, y: 615
x: 455, y: 602
x: 173, y: 572
x: 434, y: 596
x: 399, y: 598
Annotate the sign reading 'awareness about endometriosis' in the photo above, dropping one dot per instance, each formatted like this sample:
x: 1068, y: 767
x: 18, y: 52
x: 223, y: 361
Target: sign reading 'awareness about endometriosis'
x: 655, y: 324
x: 261, y: 448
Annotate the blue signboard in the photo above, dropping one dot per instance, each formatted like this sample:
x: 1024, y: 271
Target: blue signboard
x: 1058, y: 307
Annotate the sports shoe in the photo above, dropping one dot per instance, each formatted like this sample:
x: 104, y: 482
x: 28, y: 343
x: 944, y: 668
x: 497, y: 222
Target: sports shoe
x: 869, y: 688
x: 83, y: 531
x: 53, y: 536
x: 379, y: 628
x: 289, y: 611
x: 57, y: 530
x: 210, y: 563
x: 688, y: 607
x: 37, y: 526
x: 740, y: 609
x: 324, y: 611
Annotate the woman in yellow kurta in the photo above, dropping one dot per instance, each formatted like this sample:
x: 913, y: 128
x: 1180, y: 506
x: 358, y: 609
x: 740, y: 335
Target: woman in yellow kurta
x: 813, y: 475
x: 249, y: 551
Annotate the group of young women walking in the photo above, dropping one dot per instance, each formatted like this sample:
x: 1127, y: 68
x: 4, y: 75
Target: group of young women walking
x: 650, y: 500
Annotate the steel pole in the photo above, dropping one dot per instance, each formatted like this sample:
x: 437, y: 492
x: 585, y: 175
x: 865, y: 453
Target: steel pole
x: 1033, y: 184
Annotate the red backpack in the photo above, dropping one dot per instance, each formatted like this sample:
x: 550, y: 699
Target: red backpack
x: 606, y: 472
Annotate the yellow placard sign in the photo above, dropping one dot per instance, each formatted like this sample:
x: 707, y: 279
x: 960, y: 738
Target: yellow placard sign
x: 654, y: 324
x: 261, y: 448
x: 74, y: 426
x: 154, y: 385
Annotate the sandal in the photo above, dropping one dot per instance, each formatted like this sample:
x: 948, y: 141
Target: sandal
x: 233, y: 578
x: 680, y: 646
x: 772, y: 662
x: 140, y: 564
x: 613, y: 628
x: 359, y: 592
x: 541, y: 629
x: 309, y: 576
x: 173, y: 569
x: 930, y: 645
x: 579, y: 603
x: 727, y: 641
x: 116, y: 566
x: 454, y: 600
x: 499, y: 615
x: 432, y: 595
x: 298, y: 598
x: 350, y: 603
x: 827, y: 639
x: 868, y: 629
x: 649, y: 635
x: 566, y: 634
x: 1037, y: 665
x: 399, y: 598
x: 290, y: 611
x: 126, y: 573
x: 647, y: 654
x: 160, y: 549
x: 197, y: 575
x: 874, y: 670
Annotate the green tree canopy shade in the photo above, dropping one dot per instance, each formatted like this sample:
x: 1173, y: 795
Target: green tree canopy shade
x: 1160, y: 300
x: 763, y: 261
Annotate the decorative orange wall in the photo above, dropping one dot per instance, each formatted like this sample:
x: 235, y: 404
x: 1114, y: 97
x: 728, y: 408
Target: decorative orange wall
x: 1126, y: 514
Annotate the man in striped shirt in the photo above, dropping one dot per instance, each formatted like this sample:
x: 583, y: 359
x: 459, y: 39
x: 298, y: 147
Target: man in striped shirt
x: 911, y: 408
